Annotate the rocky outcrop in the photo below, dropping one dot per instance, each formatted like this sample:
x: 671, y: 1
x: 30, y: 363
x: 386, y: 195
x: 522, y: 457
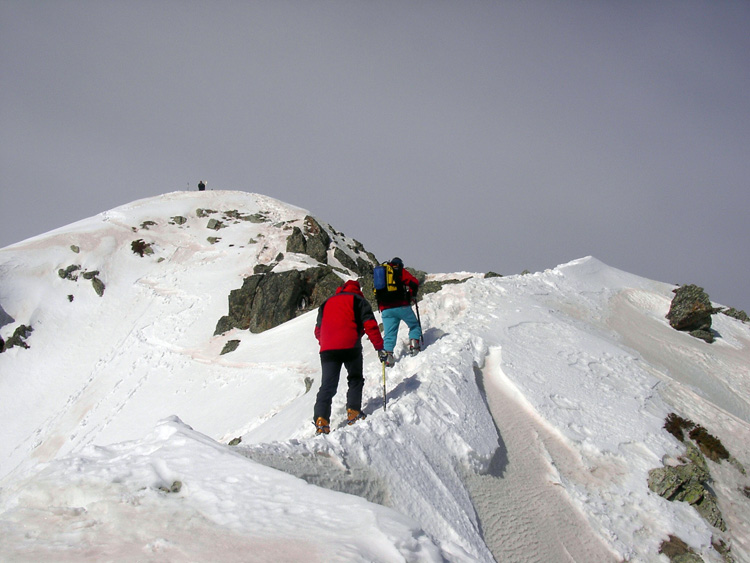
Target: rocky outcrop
x: 266, y: 300
x: 96, y: 283
x: 71, y: 273
x: 141, y: 247
x: 19, y: 337
x: 230, y: 346
x: 215, y: 224
x: 435, y: 286
x: 736, y: 314
x: 677, y: 551
x: 691, y: 312
x: 296, y: 242
x: 688, y: 483
x: 313, y: 240
x: 361, y: 266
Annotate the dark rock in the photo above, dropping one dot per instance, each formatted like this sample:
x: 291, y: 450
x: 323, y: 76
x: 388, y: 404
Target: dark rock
x: 19, y: 337
x: 279, y: 257
x: 263, y: 268
x: 320, y: 283
x: 235, y: 441
x: 213, y: 240
x: 368, y: 290
x: 492, y: 275
x: 360, y: 248
x: 256, y: 218
x: 141, y: 248
x: 435, y: 286
x: 710, y: 446
x: 688, y: 483
x: 268, y: 300
x: 313, y: 229
x: 677, y: 551
x: 147, y: 224
x: 371, y: 260
x: 346, y: 260
x: 365, y: 267
x: 233, y: 214
x: 90, y: 275
x: 735, y: 314
x: 318, y: 240
x: 204, y: 212
x: 296, y: 242
x: 67, y: 273
x: 705, y: 335
x: 690, y: 310
x: 215, y: 224
x: 230, y: 346
x: 98, y: 286
x: 317, y: 250
x: 75, y: 248
x: 179, y: 220
x: 676, y: 426
x: 362, y: 265
x: 722, y: 549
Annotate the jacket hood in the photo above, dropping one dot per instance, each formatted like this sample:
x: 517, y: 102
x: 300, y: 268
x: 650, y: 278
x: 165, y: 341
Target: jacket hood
x: 352, y: 286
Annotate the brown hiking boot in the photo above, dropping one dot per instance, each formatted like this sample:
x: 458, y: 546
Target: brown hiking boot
x: 321, y: 426
x: 353, y: 416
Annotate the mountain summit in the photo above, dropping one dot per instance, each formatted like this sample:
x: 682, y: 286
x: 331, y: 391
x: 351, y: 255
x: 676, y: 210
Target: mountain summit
x: 552, y: 416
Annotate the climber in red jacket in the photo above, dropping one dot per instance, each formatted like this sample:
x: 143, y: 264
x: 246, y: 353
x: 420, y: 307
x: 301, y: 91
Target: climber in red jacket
x: 342, y: 321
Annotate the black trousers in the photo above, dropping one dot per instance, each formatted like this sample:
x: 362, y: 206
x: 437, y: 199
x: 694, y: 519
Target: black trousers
x: 331, y: 362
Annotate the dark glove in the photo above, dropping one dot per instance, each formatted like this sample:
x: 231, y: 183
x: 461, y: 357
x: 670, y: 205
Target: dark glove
x: 382, y: 355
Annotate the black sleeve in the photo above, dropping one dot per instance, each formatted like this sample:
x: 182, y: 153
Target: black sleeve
x: 320, y: 314
x: 362, y: 312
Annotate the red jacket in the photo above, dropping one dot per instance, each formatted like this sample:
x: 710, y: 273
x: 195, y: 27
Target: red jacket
x: 411, y: 285
x: 344, y: 318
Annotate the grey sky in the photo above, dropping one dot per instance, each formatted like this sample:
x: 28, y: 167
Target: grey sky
x: 460, y: 135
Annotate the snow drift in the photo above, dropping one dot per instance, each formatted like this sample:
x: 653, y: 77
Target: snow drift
x: 525, y: 431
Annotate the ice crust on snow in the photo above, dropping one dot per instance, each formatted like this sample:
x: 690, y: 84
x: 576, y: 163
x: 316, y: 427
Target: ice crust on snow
x: 524, y: 431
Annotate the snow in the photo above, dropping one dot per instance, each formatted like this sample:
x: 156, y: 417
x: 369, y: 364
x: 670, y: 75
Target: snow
x: 524, y: 431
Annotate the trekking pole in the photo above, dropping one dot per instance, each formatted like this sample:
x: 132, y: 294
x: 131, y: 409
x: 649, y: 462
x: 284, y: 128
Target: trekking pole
x: 385, y: 400
x: 421, y: 334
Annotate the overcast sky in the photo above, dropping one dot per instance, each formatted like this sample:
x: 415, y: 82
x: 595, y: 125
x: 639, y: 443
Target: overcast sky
x: 463, y: 135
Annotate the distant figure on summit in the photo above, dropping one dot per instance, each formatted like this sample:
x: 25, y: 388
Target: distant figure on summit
x: 201, y: 186
x: 342, y: 320
x: 395, y: 291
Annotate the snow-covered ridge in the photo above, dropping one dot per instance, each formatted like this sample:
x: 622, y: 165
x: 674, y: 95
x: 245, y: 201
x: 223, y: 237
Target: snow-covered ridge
x: 524, y: 431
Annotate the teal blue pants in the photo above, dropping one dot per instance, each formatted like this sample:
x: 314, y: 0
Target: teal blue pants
x: 391, y: 320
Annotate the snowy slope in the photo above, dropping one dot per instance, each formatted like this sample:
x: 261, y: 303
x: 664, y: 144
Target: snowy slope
x: 524, y: 432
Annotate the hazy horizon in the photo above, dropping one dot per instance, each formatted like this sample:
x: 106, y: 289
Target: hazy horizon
x: 460, y: 136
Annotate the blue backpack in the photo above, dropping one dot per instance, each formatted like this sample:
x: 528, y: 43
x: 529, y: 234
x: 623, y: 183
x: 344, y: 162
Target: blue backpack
x: 389, y: 287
